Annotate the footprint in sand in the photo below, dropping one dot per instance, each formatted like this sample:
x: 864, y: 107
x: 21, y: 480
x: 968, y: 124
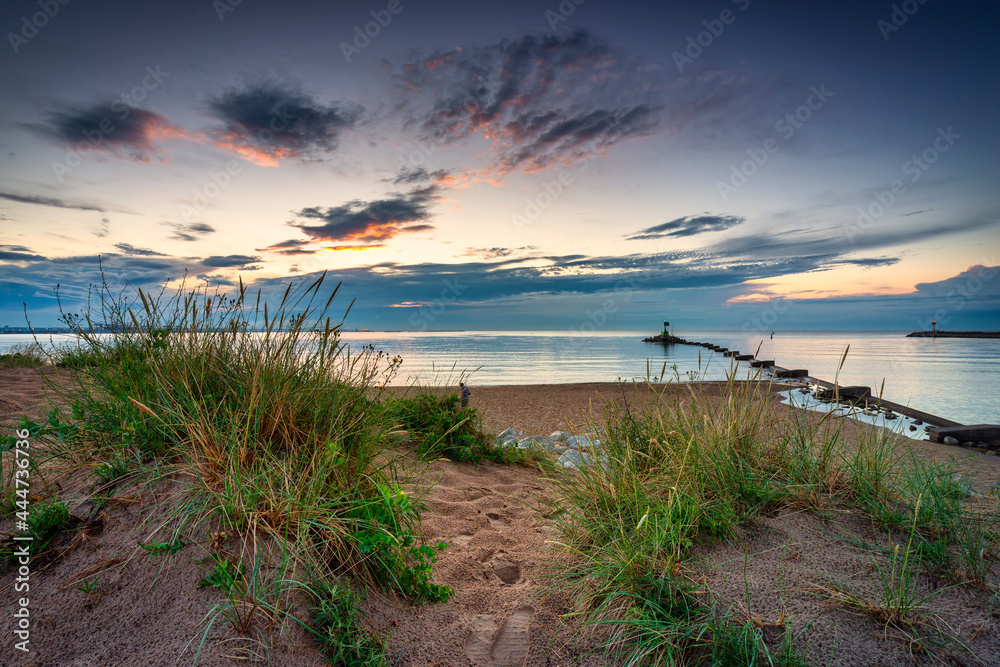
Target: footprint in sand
x: 511, y: 647
x: 496, y: 520
x: 508, y: 649
x: 509, y: 573
x: 479, y: 642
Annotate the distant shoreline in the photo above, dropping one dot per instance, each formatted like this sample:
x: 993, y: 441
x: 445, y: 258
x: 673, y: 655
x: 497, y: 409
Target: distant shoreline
x: 954, y: 334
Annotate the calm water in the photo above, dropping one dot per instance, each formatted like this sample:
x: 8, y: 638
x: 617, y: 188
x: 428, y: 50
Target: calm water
x: 954, y: 378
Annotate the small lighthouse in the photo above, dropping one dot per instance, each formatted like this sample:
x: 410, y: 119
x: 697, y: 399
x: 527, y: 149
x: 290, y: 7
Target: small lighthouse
x: 934, y: 324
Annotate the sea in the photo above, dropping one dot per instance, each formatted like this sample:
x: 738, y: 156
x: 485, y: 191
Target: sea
x: 953, y: 378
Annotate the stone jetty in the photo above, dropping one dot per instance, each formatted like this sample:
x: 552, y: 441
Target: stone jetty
x: 939, y: 429
x: 954, y: 334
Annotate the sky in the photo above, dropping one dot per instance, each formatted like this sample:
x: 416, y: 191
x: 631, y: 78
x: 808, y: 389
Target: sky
x: 577, y: 165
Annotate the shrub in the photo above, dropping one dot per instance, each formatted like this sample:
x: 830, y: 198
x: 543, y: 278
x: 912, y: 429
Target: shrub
x: 442, y: 428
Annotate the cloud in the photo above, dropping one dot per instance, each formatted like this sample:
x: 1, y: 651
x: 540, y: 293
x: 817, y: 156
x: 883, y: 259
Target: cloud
x: 49, y: 201
x: 976, y: 281
x: 541, y: 101
x: 496, y: 253
x: 364, y: 224
x: 688, y: 226
x: 267, y: 123
x: 409, y: 176
x: 129, y: 249
x: 227, y: 261
x: 115, y: 129
x: 190, y: 232
x: 18, y: 253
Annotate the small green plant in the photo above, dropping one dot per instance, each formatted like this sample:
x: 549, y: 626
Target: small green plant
x: 336, y: 626
x: 115, y: 469
x: 159, y: 548
x: 734, y: 644
x: 226, y: 575
x: 397, y: 560
x: 45, y: 521
x: 88, y: 586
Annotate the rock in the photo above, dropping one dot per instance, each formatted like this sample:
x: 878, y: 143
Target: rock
x: 912, y: 427
x: 948, y: 440
x: 560, y: 436
x: 548, y: 444
x: 572, y: 459
x: 918, y: 422
x: 584, y: 442
x: 964, y: 484
x: 507, y: 434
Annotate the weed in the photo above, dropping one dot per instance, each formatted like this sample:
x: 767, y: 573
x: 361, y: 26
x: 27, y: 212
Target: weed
x: 159, y: 548
x: 88, y: 586
x: 336, y: 626
x: 45, y: 521
x: 224, y: 575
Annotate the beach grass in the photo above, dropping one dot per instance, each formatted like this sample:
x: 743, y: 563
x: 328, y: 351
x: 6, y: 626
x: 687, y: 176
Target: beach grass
x: 269, y: 424
x: 681, y: 471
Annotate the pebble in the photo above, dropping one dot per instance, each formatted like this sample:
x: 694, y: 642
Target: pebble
x: 949, y: 440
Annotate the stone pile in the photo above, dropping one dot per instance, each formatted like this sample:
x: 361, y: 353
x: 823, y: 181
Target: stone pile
x: 573, y: 451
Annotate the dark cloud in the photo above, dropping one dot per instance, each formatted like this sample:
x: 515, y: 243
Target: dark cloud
x: 364, y: 224
x: 540, y: 100
x: 869, y: 262
x: 190, y: 232
x: 408, y: 176
x: 129, y: 249
x: 688, y: 226
x: 976, y: 281
x: 49, y: 201
x: 290, y: 247
x: 18, y: 253
x: 217, y: 261
x: 270, y: 122
x: 114, y: 128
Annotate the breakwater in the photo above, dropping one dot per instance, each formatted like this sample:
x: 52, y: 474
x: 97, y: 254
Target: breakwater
x: 954, y: 334
x: 940, y: 429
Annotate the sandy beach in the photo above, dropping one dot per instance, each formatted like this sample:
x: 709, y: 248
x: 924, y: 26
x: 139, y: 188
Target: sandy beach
x: 501, y: 555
